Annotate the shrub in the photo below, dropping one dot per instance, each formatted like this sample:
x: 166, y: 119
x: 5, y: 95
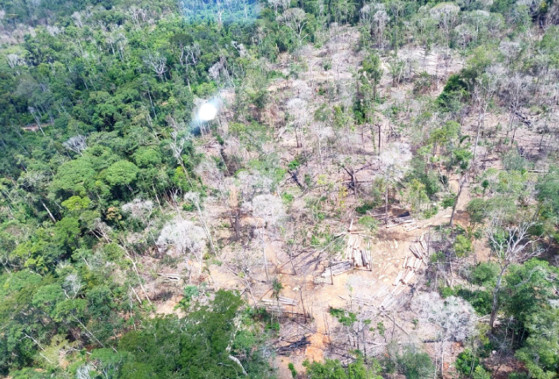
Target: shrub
x: 466, y: 362
x: 484, y: 273
x: 366, y: 206
x: 415, y: 365
x: 462, y: 246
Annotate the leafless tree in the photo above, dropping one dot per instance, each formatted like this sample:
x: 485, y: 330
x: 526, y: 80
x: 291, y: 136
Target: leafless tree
x: 295, y: 19
x: 77, y: 144
x: 37, y: 117
x: 446, y: 15
x: 138, y: 15
x: 138, y: 209
x: 465, y: 34
x: 510, y: 245
x: 394, y: 162
x: 269, y: 212
x: 185, y: 237
x: 375, y: 18
x: 72, y: 285
x: 78, y: 19
x: 484, y: 89
x: 514, y: 91
x: 453, y: 317
x: 157, y: 63
x: 380, y: 20
x: 194, y: 198
x: 278, y: 4
x: 117, y: 42
x: 14, y: 60
x: 298, y: 110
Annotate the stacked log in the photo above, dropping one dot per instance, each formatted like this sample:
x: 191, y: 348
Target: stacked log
x: 356, y: 252
x: 412, y: 263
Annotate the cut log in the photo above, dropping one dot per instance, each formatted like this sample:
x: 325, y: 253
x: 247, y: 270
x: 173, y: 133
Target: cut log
x: 411, y: 262
x: 409, y: 276
x: 287, y: 301
x: 398, y: 278
x: 292, y: 346
x: 337, y: 269
x: 357, y: 259
x: 414, y: 252
x: 170, y: 276
x: 365, y: 258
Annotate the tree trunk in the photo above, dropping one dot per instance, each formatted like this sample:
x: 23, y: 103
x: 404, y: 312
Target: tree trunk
x: 386, y: 205
x: 49, y: 212
x: 463, y: 181
x: 495, y: 303
x: 379, y: 137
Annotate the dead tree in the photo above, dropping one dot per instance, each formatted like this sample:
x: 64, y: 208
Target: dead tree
x: 511, y: 245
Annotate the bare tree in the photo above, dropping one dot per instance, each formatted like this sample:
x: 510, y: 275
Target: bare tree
x: 511, y: 245
x: 194, y: 198
x: 138, y: 209
x: 185, y: 237
x: 295, y: 19
x: 278, y: 4
x: 77, y: 144
x: 394, y: 162
x: 269, y: 212
x: 453, y: 317
x: 514, y: 91
x: 157, y: 63
x: 380, y: 20
x: 14, y: 61
x: 484, y: 89
x: 300, y: 117
x: 138, y: 15
x: 375, y: 18
x: 78, y: 20
x: 446, y: 15
x: 37, y: 117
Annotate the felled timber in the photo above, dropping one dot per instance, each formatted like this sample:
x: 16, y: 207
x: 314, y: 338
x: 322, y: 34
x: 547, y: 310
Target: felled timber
x: 409, y: 276
x: 293, y: 346
x: 398, y: 278
x: 414, y: 252
x: 365, y: 258
x: 287, y: 301
x: 337, y: 269
x: 172, y: 277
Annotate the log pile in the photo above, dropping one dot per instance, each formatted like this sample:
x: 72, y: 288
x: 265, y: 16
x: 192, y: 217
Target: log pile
x: 412, y: 264
x: 357, y: 252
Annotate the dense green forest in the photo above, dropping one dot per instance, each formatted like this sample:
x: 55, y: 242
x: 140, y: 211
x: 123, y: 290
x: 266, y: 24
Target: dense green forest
x: 115, y: 198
